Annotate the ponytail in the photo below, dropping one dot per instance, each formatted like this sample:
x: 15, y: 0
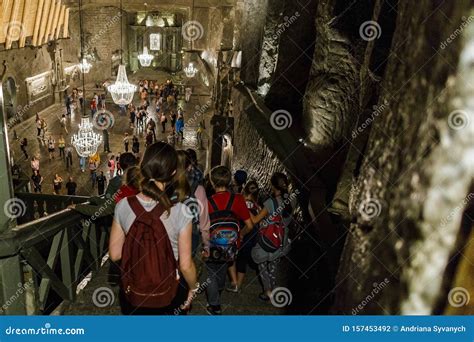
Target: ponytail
x: 280, y: 182
x: 150, y: 189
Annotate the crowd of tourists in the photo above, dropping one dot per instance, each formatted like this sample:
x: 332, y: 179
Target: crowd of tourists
x: 174, y: 216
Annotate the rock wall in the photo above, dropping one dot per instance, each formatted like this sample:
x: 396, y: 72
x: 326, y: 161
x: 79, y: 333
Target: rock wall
x: 406, y: 203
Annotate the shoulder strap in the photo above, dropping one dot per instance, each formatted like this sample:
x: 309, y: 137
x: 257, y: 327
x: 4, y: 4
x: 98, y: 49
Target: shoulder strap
x: 213, y: 204
x: 231, y: 202
x: 275, y: 203
x: 137, y: 208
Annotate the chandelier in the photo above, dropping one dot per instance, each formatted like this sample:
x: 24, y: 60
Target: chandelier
x: 145, y: 58
x: 85, y: 66
x: 86, y: 141
x: 122, y: 92
x: 190, y: 70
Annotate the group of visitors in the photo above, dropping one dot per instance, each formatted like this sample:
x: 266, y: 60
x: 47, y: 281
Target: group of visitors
x: 219, y: 218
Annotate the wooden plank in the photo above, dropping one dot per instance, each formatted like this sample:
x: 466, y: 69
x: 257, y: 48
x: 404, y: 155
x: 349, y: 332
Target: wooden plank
x: 14, y: 25
x: 53, y: 255
x: 66, y: 264
x: 39, y: 14
x: 52, y: 9
x: 34, y: 258
x: 44, y: 21
x: 60, y: 21
x: 7, y: 7
x: 66, y: 24
x: 83, y: 250
x: 27, y: 5
x: 55, y: 20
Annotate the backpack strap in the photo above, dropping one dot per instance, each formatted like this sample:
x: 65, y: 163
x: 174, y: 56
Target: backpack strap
x: 137, y: 208
x: 231, y: 202
x: 213, y: 204
x: 275, y: 204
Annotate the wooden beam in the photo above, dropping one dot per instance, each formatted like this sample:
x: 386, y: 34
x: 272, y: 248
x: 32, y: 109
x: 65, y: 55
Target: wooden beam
x: 14, y: 26
x: 66, y: 24
x: 52, y: 9
x: 27, y: 5
x: 44, y: 21
x: 6, y: 11
x: 36, y: 29
x: 55, y: 20
x: 60, y: 21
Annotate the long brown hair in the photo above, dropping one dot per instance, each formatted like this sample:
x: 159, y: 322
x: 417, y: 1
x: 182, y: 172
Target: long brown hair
x: 158, y: 164
x: 180, y: 178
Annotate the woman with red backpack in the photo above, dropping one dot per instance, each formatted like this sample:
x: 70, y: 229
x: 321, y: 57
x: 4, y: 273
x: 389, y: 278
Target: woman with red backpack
x: 152, y: 238
x: 272, y: 240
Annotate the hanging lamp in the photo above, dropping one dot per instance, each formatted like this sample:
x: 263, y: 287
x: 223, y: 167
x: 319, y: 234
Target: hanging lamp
x: 84, y: 65
x: 85, y: 141
x: 122, y: 91
x: 145, y: 58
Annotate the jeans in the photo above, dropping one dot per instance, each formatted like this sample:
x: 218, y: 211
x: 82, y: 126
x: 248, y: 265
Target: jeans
x: 268, y: 274
x: 93, y: 177
x: 216, y: 272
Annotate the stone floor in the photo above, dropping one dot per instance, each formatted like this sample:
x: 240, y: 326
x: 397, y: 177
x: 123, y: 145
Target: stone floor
x: 37, y: 146
x: 99, y: 297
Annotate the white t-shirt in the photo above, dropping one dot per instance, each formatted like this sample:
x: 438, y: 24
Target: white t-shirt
x: 174, y: 223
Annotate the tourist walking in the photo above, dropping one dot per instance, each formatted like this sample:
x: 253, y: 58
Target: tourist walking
x: 126, y: 142
x: 37, y: 180
x: 164, y: 282
x: 57, y: 184
x: 101, y: 183
x: 71, y: 187
x: 23, y: 145
x: 51, y: 147
x: 61, y: 146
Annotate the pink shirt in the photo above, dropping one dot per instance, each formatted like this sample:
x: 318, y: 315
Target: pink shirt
x: 204, y: 221
x: 112, y: 165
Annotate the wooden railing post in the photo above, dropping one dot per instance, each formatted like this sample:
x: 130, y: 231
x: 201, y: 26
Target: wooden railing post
x: 13, y: 293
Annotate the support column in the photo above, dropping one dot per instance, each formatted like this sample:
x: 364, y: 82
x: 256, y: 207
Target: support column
x: 12, y: 290
x: 5, y: 180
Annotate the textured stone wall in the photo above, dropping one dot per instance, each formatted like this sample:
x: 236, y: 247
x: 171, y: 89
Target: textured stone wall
x: 406, y: 204
x: 102, y: 31
x: 250, y: 151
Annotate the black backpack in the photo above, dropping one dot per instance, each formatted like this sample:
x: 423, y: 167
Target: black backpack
x: 223, y: 232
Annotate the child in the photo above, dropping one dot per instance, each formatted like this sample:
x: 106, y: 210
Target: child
x: 226, y: 210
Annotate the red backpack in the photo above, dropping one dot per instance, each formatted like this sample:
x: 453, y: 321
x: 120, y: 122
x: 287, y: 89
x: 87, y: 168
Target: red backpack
x: 272, y: 232
x: 149, y: 270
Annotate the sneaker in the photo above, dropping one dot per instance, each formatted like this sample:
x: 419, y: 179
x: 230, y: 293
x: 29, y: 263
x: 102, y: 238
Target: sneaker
x: 213, y: 310
x: 232, y: 288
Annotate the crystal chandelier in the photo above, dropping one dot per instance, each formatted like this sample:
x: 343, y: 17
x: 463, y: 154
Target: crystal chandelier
x: 85, y: 66
x: 190, y: 70
x: 122, y: 92
x: 86, y: 141
x: 145, y: 58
